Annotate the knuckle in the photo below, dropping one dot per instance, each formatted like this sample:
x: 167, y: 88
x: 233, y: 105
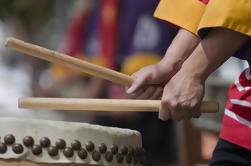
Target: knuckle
x: 194, y: 104
x: 174, y: 104
x: 164, y: 102
x: 136, y: 74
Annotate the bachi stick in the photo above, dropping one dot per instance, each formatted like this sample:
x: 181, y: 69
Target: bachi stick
x: 75, y: 63
x: 102, y: 104
x: 71, y: 62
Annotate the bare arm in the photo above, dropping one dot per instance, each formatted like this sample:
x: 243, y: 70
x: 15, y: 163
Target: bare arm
x: 183, y: 93
x: 180, y: 49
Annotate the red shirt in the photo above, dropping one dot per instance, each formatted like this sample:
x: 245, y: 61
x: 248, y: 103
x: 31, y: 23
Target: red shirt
x: 236, y: 125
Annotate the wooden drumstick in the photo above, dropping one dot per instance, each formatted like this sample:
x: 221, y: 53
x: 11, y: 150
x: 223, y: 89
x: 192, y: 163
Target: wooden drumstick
x: 71, y: 62
x: 102, y: 104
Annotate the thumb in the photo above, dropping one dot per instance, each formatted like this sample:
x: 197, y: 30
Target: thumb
x: 137, y: 83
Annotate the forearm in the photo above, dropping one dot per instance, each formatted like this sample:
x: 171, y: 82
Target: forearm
x: 181, y: 48
x: 219, y: 45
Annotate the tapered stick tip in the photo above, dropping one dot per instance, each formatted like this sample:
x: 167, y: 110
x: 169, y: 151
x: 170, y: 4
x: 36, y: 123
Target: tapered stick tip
x: 8, y: 41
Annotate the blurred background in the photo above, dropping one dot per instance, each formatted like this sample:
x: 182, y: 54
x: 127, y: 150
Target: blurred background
x: 118, y: 34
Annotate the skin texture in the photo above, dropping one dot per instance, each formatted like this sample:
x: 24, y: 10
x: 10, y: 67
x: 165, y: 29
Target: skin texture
x: 184, y: 87
x: 162, y: 72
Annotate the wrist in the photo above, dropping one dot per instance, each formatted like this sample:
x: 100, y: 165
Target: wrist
x: 197, y: 66
x: 181, y: 48
x: 197, y: 74
x: 171, y: 63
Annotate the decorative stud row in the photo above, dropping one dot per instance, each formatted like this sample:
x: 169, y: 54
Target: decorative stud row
x: 129, y: 154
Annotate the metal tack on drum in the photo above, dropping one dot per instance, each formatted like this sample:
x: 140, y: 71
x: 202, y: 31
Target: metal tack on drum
x: 36, y: 149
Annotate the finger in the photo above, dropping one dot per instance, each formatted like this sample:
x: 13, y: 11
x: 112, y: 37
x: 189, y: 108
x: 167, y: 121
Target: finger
x: 138, y: 82
x: 147, y: 93
x: 196, y: 112
x: 131, y: 95
x: 137, y: 93
x: 186, y: 112
x: 126, y: 88
x: 164, y: 112
x: 175, y: 108
x: 157, y: 93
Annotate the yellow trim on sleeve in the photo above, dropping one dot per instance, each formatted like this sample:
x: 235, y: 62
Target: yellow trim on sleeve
x: 231, y: 14
x: 184, y: 13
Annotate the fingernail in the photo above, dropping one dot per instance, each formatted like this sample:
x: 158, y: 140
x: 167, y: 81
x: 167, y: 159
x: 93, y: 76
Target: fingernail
x: 130, y: 90
x: 163, y: 118
x: 160, y: 118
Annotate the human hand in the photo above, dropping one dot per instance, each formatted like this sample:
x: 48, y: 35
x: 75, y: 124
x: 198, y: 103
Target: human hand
x: 180, y: 49
x: 182, y: 97
x: 148, y: 81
